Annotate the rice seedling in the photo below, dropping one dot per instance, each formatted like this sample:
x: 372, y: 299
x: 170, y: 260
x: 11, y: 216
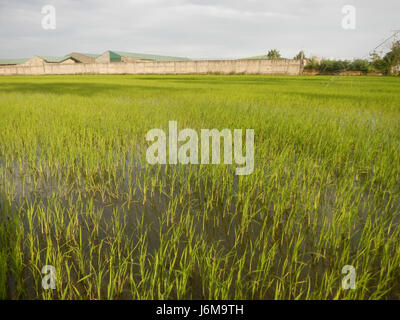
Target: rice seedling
x: 77, y: 193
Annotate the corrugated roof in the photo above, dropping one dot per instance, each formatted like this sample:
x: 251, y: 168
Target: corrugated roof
x: 13, y: 61
x: 54, y: 59
x: 263, y: 57
x: 90, y: 55
x: 151, y: 57
x: 114, y: 57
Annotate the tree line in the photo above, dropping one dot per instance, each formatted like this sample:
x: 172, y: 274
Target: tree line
x: 387, y: 64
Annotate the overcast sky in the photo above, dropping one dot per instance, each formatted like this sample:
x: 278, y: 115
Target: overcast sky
x: 196, y: 28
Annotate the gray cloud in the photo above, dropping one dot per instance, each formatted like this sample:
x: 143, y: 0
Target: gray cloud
x: 195, y: 28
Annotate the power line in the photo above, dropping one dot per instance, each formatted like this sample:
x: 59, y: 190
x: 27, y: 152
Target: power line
x: 380, y: 45
x: 394, y: 35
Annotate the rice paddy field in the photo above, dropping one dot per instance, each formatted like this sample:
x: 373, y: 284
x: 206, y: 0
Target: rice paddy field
x: 77, y: 193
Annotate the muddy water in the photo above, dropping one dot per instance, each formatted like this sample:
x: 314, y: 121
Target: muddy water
x: 152, y: 216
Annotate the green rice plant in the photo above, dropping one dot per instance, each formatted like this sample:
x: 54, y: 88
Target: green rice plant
x: 77, y: 193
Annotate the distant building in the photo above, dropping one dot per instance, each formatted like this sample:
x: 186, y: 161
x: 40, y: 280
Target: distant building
x: 41, y: 60
x: 84, y: 57
x: 12, y: 62
x: 77, y: 57
x: 119, y: 56
x: 316, y: 59
x: 262, y: 57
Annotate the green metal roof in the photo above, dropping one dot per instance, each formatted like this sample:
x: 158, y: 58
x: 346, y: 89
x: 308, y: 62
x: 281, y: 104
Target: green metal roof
x: 54, y: 59
x: 90, y: 55
x: 13, y: 61
x: 263, y: 57
x: 150, y: 57
x: 114, y: 57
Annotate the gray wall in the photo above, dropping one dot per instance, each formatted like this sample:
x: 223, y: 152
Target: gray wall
x: 283, y: 67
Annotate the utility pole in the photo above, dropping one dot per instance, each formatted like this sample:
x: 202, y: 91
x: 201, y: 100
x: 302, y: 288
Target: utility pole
x: 394, y: 36
x: 395, y: 40
x: 302, y: 61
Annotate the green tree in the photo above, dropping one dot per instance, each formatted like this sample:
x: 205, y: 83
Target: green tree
x: 360, y: 65
x: 379, y: 64
x: 273, y: 54
x: 300, y: 55
x: 390, y: 62
x: 393, y: 57
x: 313, y: 64
x: 333, y: 66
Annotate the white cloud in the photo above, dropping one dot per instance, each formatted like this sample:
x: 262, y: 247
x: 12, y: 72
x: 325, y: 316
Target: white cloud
x: 195, y: 28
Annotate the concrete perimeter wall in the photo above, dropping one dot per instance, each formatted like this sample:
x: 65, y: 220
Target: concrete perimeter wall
x: 278, y: 67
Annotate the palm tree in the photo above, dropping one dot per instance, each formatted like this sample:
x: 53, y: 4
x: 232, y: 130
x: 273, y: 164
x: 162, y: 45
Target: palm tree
x: 273, y: 54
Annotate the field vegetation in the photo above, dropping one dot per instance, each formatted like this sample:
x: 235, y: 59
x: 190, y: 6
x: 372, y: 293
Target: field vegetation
x: 76, y: 191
